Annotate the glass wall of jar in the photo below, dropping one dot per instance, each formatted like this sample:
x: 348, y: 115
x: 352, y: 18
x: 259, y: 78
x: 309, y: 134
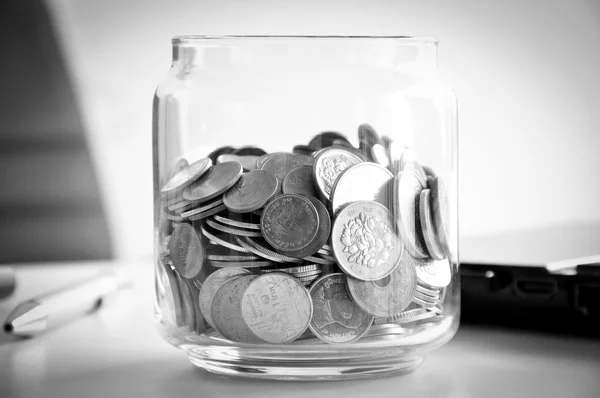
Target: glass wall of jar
x: 305, y: 205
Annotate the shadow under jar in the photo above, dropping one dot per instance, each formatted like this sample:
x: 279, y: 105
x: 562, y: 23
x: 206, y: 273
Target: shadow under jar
x: 305, y: 205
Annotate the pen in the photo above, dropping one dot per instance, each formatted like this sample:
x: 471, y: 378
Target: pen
x: 54, y: 308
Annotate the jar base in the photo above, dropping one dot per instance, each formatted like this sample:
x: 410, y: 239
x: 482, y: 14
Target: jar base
x: 275, y: 367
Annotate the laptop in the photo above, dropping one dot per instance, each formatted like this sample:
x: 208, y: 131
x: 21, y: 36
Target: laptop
x: 545, y: 278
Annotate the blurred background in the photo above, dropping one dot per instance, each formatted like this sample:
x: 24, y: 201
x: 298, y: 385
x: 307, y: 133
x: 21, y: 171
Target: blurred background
x: 78, y: 78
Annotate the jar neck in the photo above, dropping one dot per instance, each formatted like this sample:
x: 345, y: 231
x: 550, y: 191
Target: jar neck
x: 409, y: 55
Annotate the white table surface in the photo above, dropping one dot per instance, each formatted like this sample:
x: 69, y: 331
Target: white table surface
x: 116, y: 352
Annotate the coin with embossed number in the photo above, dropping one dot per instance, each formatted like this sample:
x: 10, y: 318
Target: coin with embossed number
x: 187, y: 176
x: 226, y: 310
x: 365, y: 241
x: 388, y: 296
x: 300, y: 181
x: 363, y: 181
x: 407, y: 188
x: 277, y: 308
x: 290, y: 223
x: 429, y: 235
x: 336, y: 319
x: 329, y: 163
x: 216, y: 181
x: 187, y: 251
x: 252, y: 191
x: 212, y: 284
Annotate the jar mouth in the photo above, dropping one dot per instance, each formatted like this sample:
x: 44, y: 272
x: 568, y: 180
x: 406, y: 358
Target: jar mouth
x: 402, y: 39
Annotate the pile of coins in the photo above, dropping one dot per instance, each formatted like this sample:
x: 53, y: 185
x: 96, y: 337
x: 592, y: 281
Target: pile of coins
x: 329, y: 243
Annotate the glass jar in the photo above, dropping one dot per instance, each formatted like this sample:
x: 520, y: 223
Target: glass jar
x: 305, y: 205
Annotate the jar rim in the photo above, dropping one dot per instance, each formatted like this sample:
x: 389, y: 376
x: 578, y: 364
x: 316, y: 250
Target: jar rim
x: 406, y: 39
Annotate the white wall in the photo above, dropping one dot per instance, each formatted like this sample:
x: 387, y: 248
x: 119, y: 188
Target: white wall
x: 525, y: 72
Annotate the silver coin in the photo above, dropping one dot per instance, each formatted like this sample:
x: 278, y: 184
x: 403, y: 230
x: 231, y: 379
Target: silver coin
x: 216, y: 257
x: 306, y: 274
x: 387, y: 296
x: 248, y: 162
x: 300, y: 181
x: 200, y: 325
x: 188, y: 300
x: 336, y: 319
x: 227, y: 313
x: 413, y: 312
x: 203, y: 208
x: 212, y: 284
x: 433, y: 273
x: 180, y: 207
x: 235, y: 223
x: 233, y: 231
x: 396, y: 150
x: 429, y: 235
x: 386, y: 330
x: 407, y: 189
x: 262, y: 251
x: 441, y: 213
x: 380, y: 155
x: 176, y: 165
x: 329, y: 163
x: 431, y: 300
x: 187, y: 176
x: 241, y: 264
x: 221, y: 242
x: 276, y: 308
x: 172, y: 216
x: 215, y: 182
x: 207, y: 213
x: 415, y: 318
x: 428, y: 291
x: 252, y: 191
x: 409, y: 162
x: 171, y: 307
x: 426, y: 304
x: 318, y: 260
x: 365, y: 241
x: 363, y: 181
x: 187, y: 251
x: 281, y: 164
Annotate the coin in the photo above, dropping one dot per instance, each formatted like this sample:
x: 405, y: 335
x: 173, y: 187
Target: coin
x: 433, y: 273
x: 336, y: 319
x: 250, y: 151
x: 202, y: 209
x: 187, y: 176
x: 363, y: 181
x: 217, y: 257
x: 441, y: 212
x: 282, y: 163
x: 248, y: 162
x: 212, y: 284
x: 367, y: 137
x: 200, y: 325
x: 181, y: 206
x: 326, y: 139
x: 431, y: 242
x: 409, y: 162
x: 429, y: 292
x: 172, y: 216
x: 226, y: 310
x: 407, y: 314
x: 322, y: 236
x: 380, y: 156
x: 231, y: 230
x: 176, y: 165
x: 300, y: 181
x: 242, y: 264
x: 216, y: 181
x: 329, y: 163
x: 365, y: 241
x: 290, y: 223
x: 276, y: 308
x: 262, y: 251
x: 187, y: 251
x: 303, y: 149
x: 236, y: 223
x: 188, y: 300
x: 207, y: 213
x: 431, y: 300
x: 171, y: 307
x: 219, y: 151
x: 407, y: 188
x: 222, y: 242
x: 253, y: 190
x: 396, y: 150
x: 387, y: 296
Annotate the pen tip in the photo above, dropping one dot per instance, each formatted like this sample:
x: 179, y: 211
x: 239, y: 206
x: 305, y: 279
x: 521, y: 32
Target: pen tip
x: 8, y: 328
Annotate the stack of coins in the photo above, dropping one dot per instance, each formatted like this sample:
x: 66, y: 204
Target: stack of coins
x: 329, y: 243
